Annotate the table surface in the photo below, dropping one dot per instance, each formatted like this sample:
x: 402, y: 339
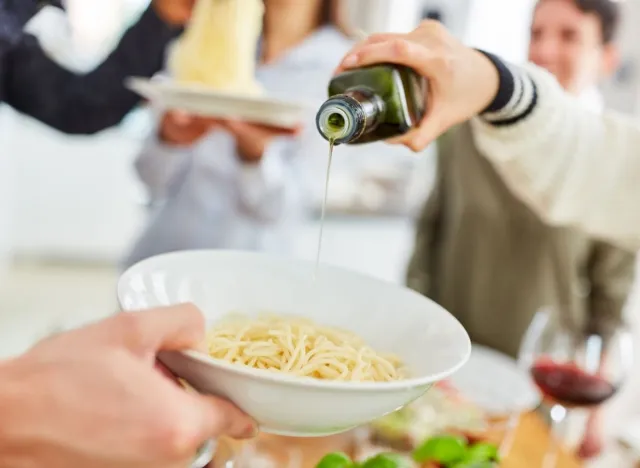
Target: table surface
x: 528, y: 449
x: 531, y: 443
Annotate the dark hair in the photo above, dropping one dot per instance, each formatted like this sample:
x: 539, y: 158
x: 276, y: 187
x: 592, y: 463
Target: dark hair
x: 608, y: 13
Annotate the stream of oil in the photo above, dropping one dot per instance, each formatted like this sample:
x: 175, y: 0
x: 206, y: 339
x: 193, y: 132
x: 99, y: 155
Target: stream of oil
x: 324, y: 208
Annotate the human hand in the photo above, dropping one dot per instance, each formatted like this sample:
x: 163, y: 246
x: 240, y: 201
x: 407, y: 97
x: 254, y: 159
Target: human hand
x: 182, y: 129
x: 462, y: 81
x: 174, y: 12
x: 253, y: 139
x: 92, y: 397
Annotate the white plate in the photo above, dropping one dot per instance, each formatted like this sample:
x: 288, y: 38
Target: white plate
x: 200, y: 100
x: 494, y: 382
x: 389, y: 317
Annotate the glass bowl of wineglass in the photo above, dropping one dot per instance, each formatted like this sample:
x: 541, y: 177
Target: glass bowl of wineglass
x: 574, y: 367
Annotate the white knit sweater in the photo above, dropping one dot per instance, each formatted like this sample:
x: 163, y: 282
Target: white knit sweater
x: 572, y: 166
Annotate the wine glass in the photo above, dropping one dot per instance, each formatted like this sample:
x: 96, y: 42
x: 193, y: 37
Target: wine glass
x: 263, y: 452
x: 573, y: 366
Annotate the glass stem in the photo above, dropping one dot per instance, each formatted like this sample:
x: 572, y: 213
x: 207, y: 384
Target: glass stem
x: 558, y: 417
x: 205, y: 454
x: 509, y: 435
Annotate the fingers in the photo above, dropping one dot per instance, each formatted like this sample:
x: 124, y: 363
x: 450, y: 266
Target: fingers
x: 183, y: 420
x: 422, y: 136
x: 400, y: 51
x: 167, y: 328
x: 373, y: 39
x: 220, y: 417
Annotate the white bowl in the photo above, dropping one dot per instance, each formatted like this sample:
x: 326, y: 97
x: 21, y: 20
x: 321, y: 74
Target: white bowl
x: 390, y: 318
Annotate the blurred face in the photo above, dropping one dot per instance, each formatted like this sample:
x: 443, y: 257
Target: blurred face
x: 569, y: 43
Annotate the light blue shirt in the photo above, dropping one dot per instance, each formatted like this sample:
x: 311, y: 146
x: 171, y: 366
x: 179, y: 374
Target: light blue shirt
x: 203, y: 196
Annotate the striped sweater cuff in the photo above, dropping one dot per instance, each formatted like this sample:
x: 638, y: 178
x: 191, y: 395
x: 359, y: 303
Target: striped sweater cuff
x: 516, y: 98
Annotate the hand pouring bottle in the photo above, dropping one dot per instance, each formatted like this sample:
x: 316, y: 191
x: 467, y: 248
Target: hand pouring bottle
x: 372, y: 103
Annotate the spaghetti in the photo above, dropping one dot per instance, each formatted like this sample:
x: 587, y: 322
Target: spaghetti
x: 218, y: 49
x: 300, y: 347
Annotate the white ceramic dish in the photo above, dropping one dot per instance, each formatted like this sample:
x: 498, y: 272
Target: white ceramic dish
x: 200, y: 100
x: 495, y: 383
x: 389, y: 317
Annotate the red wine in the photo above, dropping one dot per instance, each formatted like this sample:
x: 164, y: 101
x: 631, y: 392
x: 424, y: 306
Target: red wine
x: 569, y: 386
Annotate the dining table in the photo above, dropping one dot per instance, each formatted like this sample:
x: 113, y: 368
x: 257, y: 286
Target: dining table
x: 530, y: 442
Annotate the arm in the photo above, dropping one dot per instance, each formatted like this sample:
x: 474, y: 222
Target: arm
x: 14, y: 14
x: 428, y: 231
x: 571, y: 166
x: 611, y: 273
x: 84, y: 104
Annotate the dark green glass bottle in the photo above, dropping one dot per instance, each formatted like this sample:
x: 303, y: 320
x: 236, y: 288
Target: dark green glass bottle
x: 372, y: 103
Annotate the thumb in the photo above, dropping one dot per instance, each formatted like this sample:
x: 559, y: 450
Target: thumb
x: 428, y: 131
x: 171, y: 328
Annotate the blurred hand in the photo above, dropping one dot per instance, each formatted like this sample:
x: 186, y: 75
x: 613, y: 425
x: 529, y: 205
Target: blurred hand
x: 180, y: 128
x: 92, y: 397
x: 462, y: 81
x: 253, y: 139
x: 174, y: 12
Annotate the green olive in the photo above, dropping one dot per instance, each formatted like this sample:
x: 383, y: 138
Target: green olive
x: 336, y: 460
x: 387, y: 460
x: 444, y: 449
x: 482, y: 452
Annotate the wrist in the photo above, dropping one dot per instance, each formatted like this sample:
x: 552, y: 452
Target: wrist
x: 514, y: 96
x: 502, y: 86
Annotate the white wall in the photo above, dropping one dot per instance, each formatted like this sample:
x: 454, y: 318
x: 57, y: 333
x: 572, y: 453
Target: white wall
x: 501, y: 27
x: 373, y: 16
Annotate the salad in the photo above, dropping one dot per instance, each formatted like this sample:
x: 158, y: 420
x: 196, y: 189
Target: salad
x: 440, y: 410
x: 443, y: 451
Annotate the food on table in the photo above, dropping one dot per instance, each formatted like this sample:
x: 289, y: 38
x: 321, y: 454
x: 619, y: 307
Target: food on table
x: 440, y: 409
x: 387, y: 460
x: 218, y: 49
x: 336, y: 460
x: 443, y: 451
x: 380, y: 460
x: 300, y: 347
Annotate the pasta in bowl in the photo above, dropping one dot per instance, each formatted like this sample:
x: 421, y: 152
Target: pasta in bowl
x: 303, y: 354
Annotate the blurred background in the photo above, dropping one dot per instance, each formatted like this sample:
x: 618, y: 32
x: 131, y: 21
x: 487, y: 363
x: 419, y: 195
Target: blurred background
x: 71, y: 206
x: 76, y: 200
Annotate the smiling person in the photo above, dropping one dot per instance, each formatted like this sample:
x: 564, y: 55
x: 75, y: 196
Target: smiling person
x: 573, y: 167
x: 476, y: 236
x: 35, y: 85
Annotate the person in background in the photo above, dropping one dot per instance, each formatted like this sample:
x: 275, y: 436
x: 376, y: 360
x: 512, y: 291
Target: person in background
x: 48, y: 395
x: 481, y: 252
x: 571, y: 166
x: 238, y: 185
x: 35, y: 85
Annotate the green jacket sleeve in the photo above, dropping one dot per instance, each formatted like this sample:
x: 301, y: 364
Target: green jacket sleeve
x: 611, y: 274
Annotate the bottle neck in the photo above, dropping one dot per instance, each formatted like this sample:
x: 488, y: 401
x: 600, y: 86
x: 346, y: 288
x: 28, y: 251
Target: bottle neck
x: 344, y: 118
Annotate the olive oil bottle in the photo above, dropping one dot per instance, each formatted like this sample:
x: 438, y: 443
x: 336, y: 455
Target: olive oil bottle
x: 372, y: 103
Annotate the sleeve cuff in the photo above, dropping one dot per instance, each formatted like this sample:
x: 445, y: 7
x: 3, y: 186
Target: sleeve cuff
x: 516, y: 98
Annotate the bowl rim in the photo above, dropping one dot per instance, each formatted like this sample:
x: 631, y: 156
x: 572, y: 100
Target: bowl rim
x: 293, y: 380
